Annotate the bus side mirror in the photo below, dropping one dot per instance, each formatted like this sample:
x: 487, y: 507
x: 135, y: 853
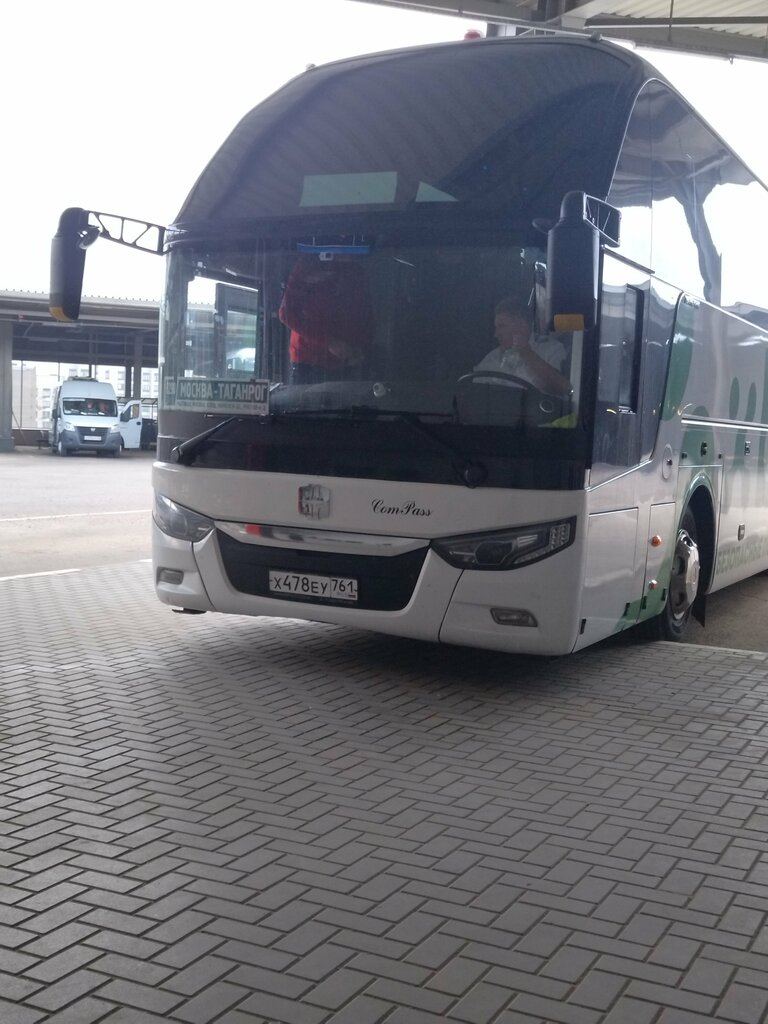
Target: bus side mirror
x: 573, y: 260
x: 68, y: 247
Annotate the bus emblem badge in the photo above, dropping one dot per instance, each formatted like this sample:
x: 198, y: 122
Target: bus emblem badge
x: 314, y: 501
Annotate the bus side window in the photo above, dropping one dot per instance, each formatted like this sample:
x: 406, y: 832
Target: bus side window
x: 621, y: 323
x: 617, y: 433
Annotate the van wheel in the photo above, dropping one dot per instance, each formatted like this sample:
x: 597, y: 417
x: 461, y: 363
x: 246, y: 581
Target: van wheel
x: 61, y: 450
x: 116, y: 451
x: 672, y: 622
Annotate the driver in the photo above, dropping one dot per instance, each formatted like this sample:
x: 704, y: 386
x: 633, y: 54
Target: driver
x: 538, y: 361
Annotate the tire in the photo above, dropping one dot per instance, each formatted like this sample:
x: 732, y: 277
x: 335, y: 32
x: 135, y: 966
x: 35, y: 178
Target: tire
x: 683, y: 586
x: 116, y: 451
x: 60, y: 449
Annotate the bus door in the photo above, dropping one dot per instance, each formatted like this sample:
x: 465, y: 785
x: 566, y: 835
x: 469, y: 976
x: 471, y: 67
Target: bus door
x: 615, y: 566
x: 617, y: 425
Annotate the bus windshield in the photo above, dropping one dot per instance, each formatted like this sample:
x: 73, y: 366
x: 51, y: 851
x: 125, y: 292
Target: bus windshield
x: 452, y: 333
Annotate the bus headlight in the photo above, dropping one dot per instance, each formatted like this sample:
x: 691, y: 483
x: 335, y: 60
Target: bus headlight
x: 180, y: 522
x: 507, y: 549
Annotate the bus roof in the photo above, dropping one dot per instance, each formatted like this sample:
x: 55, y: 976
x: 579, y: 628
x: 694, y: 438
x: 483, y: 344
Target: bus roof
x: 426, y: 126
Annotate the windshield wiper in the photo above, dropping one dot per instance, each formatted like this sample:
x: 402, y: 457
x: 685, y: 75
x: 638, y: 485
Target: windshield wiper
x: 186, y: 451
x: 470, y: 472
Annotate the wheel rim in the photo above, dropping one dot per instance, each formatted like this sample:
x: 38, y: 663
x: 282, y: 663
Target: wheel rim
x: 684, y: 582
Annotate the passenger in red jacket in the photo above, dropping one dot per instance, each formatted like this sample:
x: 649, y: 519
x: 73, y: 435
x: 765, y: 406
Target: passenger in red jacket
x: 327, y: 306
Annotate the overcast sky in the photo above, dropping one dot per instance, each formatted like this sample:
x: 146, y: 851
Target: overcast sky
x: 118, y: 106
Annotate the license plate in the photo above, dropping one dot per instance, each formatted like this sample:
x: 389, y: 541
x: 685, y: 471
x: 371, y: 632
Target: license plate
x: 91, y: 437
x: 336, y: 588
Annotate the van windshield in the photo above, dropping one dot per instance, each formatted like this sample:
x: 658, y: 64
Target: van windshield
x: 89, y: 407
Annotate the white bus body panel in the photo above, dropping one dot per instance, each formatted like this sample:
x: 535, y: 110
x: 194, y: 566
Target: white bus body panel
x: 548, y: 590
x: 611, y: 571
x: 742, y: 547
x: 401, y: 510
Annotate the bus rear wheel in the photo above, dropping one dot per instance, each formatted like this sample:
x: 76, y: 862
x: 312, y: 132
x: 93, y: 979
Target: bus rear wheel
x: 684, y: 578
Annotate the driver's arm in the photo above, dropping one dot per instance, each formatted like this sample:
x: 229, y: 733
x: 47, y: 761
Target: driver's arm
x: 542, y: 374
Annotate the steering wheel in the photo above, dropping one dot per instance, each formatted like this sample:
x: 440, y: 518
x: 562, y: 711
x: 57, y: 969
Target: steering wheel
x: 509, y: 378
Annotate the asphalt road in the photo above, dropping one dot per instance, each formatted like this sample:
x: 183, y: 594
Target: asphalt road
x: 68, y: 513
x: 59, y: 514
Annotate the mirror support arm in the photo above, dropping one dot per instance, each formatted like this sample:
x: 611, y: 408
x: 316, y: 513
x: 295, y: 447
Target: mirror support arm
x: 78, y: 229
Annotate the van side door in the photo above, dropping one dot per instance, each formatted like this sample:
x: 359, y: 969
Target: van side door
x: 130, y: 424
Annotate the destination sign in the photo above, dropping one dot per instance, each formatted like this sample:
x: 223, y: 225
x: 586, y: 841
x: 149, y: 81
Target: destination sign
x: 249, y: 397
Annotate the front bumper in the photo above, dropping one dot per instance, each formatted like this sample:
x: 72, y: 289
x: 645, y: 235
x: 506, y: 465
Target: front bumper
x: 82, y: 440
x: 442, y: 603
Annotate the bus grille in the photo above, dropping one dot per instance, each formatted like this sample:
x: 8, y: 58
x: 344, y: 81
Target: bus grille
x: 384, y: 583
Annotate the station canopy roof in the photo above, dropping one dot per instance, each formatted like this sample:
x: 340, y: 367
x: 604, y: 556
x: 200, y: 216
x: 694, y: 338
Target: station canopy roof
x: 725, y: 28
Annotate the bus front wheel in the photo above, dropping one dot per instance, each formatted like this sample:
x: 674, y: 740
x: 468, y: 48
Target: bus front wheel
x: 684, y: 579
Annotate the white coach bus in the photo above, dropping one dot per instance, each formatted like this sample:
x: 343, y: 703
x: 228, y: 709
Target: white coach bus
x: 350, y: 430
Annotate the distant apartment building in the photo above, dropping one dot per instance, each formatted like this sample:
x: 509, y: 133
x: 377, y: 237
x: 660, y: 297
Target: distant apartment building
x: 115, y: 375
x: 34, y: 383
x: 25, y: 407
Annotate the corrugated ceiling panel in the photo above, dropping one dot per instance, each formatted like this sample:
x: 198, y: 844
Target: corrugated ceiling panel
x: 739, y: 38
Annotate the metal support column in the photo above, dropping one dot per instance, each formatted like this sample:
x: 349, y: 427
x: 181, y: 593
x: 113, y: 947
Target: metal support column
x: 6, y: 386
x: 138, y: 352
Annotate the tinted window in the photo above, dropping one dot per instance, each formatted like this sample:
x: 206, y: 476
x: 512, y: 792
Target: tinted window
x: 688, y: 162
x: 737, y: 215
x: 631, y: 190
x: 690, y: 209
x: 499, y: 126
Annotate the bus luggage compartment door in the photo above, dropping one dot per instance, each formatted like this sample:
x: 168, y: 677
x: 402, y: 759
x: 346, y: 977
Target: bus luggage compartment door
x: 611, y: 579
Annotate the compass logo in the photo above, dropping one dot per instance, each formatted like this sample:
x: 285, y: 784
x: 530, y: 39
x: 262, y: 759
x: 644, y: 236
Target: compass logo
x: 314, y: 501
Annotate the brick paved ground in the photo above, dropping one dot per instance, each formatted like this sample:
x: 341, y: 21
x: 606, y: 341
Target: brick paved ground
x: 222, y: 820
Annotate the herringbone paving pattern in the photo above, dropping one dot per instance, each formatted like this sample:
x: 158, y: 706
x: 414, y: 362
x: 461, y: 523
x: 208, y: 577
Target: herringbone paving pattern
x: 209, y: 819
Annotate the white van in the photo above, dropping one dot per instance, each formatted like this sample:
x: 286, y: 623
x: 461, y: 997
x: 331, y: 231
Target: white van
x: 84, y: 418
